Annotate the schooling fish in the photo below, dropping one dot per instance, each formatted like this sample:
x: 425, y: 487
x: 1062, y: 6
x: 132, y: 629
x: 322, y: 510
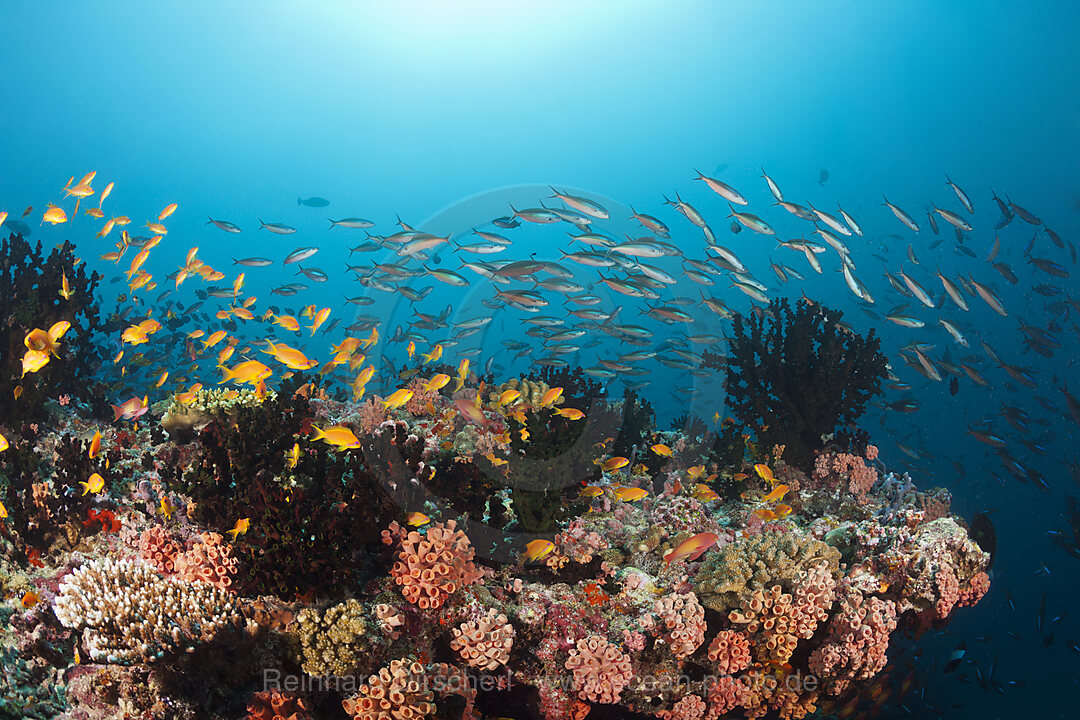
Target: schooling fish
x: 224, y: 225
x: 314, y: 201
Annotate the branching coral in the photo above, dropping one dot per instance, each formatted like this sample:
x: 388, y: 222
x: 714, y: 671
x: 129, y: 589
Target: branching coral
x: 799, y: 374
x: 130, y: 614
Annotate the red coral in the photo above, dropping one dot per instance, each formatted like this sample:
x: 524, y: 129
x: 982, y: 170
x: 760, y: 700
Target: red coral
x: 273, y: 705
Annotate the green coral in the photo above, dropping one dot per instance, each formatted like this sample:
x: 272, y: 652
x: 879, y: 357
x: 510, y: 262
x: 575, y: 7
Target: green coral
x: 756, y: 562
x: 27, y: 692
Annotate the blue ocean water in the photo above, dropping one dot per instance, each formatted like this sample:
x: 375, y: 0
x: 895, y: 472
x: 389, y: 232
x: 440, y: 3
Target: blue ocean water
x: 443, y: 115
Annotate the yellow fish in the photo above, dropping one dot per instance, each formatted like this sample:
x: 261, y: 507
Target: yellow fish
x: 239, y: 528
x: 765, y: 473
x: 627, y: 494
x: 537, y: 549
x: 95, y: 445
x: 399, y: 398
x: 782, y: 510
x: 704, y: 493
x: 776, y: 494
x: 570, y: 413
x: 509, y: 396
x: 592, y: 491
x: 432, y: 356
x: 661, y: 450
x: 614, y: 464
x: 95, y: 484
x: 338, y: 435
x: 695, y: 472
x: 293, y: 456
x: 3, y: 443
x: 290, y: 357
x: 416, y: 519
x: 550, y: 397
x: 249, y: 371
x: 437, y: 382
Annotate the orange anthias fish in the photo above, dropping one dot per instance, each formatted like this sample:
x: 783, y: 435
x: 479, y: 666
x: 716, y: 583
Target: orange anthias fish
x: 781, y: 511
x: 570, y: 413
x: 416, y: 519
x: 627, y: 494
x: 290, y: 357
x: 537, y: 549
x: 776, y: 494
x: 399, y: 398
x: 592, y: 491
x: 437, y: 382
x: 550, y: 397
x: 249, y: 371
x: 239, y: 528
x: 765, y: 514
x: 661, y: 450
x: 695, y: 472
x: 435, y: 354
x: 337, y: 435
x: 472, y: 411
x: 614, y: 464
x: 692, y: 548
x: 55, y: 215
x: 133, y: 409
x: 704, y: 493
x: 765, y: 473
x: 95, y: 445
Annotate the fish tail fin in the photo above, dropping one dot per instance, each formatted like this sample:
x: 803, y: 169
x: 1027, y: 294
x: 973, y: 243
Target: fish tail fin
x: 117, y: 412
x: 332, y: 224
x: 261, y: 224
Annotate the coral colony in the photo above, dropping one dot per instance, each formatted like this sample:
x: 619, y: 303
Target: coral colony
x: 467, y: 551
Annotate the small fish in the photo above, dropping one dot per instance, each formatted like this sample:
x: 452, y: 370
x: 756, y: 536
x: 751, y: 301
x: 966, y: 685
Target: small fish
x: 240, y: 528
x: 765, y: 473
x: 614, y: 463
x: 437, y: 382
x: 300, y: 255
x: 416, y: 519
x: 277, y: 228
x: 692, y: 548
x: 570, y: 413
x: 591, y: 491
x: 132, y: 409
x: 4, y: 445
x: 626, y: 494
x: 356, y: 223
x: 95, y: 484
x: 338, y: 435
x: 661, y: 450
x: 312, y: 202
x: 166, y: 507
x: 224, y: 225
x: 95, y: 445
x: 777, y: 493
x: 398, y: 398
x: 537, y: 550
